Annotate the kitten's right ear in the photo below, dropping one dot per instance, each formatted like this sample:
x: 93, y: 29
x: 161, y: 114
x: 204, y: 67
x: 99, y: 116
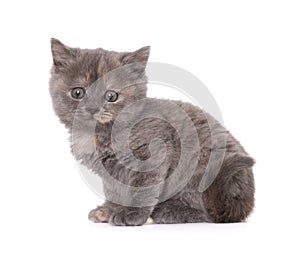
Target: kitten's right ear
x: 62, y: 55
x: 140, y: 55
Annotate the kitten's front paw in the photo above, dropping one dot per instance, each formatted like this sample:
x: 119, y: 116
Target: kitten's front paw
x: 99, y: 214
x: 129, y: 217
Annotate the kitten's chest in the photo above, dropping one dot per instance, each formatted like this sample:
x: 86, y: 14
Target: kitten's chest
x: 86, y: 145
x: 103, y: 145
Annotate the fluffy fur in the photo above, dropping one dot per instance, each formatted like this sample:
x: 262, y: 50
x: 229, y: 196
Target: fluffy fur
x: 230, y: 198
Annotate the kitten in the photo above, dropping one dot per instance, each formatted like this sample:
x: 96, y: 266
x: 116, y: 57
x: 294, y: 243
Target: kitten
x: 91, y: 90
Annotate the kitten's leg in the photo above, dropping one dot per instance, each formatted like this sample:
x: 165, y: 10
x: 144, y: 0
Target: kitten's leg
x: 102, y: 213
x: 175, y: 211
x: 130, y: 216
x: 230, y: 198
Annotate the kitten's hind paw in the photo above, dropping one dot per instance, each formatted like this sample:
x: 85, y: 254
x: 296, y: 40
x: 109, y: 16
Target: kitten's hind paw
x: 99, y: 214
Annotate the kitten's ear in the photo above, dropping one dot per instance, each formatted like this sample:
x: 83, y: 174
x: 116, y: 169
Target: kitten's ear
x: 140, y: 55
x: 62, y: 54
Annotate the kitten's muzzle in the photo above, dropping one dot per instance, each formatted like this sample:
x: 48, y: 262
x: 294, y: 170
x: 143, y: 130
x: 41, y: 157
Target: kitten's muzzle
x: 103, y: 117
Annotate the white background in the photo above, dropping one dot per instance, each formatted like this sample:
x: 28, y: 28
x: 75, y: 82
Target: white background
x: 246, y: 52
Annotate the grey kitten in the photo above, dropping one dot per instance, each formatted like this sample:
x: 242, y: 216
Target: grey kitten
x: 91, y: 90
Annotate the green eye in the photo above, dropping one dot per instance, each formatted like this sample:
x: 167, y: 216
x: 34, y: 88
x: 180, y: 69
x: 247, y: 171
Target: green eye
x: 111, y: 95
x: 78, y: 92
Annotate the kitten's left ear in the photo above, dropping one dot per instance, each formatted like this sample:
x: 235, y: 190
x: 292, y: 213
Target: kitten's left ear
x: 62, y: 55
x: 140, y: 55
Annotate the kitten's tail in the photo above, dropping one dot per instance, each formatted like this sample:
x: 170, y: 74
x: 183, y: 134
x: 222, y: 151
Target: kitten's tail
x: 235, y: 162
x: 230, y: 198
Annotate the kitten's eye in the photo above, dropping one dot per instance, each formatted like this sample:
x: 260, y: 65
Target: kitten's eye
x: 111, y: 95
x: 78, y: 93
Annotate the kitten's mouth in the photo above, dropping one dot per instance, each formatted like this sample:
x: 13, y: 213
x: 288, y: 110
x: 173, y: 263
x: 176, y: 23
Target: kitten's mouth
x: 103, y: 117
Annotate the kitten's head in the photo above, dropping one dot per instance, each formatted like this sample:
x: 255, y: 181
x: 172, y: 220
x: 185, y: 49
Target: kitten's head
x: 95, y: 84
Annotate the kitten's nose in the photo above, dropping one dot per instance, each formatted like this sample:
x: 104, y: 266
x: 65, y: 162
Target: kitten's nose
x: 92, y: 110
